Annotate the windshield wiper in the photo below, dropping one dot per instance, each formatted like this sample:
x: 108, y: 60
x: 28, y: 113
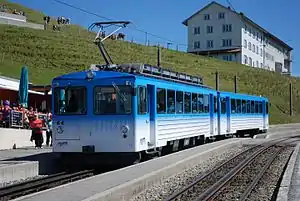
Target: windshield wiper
x: 119, y: 92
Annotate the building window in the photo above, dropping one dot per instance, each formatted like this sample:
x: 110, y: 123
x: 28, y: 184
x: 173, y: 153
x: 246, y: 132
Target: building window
x: 196, y: 44
x: 196, y: 30
x: 246, y: 29
x: 253, y: 49
x: 227, y: 57
x: 226, y: 42
x: 245, y: 43
x: 250, y: 32
x: 261, y: 65
x: 257, y: 64
x: 227, y: 27
x: 206, y: 17
x: 261, y: 52
x: 250, y: 61
x: 257, y: 50
x: 249, y: 45
x: 257, y: 36
x: 245, y: 59
x: 253, y: 34
x: 209, y: 29
x: 221, y: 15
x: 210, y: 44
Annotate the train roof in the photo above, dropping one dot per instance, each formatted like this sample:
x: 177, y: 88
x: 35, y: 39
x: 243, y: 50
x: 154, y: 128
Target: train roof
x: 241, y: 96
x: 134, y: 70
x: 81, y: 75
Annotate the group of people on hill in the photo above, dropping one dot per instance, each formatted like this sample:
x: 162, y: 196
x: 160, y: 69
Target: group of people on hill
x: 60, y: 20
x: 6, y: 9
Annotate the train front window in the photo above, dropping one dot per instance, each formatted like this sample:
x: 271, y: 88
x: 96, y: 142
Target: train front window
x: 70, y: 100
x: 113, y: 100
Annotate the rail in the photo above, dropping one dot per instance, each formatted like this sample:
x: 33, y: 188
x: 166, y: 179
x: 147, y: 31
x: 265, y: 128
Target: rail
x: 24, y: 188
x: 212, y: 190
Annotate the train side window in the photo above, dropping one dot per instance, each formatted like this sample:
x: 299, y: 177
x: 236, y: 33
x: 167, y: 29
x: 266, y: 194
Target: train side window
x: 171, y: 101
x: 161, y: 100
x: 239, y: 106
x: 260, y: 107
x: 248, y: 106
x: 256, y: 107
x: 200, y: 103
x: 206, y: 103
x: 187, y: 102
x: 223, y: 105
x: 252, y: 107
x: 233, y: 106
x: 244, y: 106
x: 215, y: 104
x: 267, y: 107
x: 142, y: 100
x: 179, y: 102
x: 195, y: 105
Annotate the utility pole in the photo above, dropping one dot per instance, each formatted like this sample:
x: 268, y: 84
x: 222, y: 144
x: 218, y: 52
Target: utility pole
x: 217, y: 81
x: 146, y: 39
x: 291, y: 99
x: 235, y: 84
x: 158, y: 56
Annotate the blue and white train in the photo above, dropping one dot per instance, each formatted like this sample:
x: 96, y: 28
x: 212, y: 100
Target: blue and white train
x: 125, y: 113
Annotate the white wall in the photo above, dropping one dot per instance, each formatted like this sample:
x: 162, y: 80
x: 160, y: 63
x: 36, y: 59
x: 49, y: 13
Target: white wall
x: 20, y: 137
x: 257, y: 42
x: 217, y: 35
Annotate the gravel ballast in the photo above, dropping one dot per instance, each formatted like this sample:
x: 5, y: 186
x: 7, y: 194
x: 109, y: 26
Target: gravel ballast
x: 176, y: 182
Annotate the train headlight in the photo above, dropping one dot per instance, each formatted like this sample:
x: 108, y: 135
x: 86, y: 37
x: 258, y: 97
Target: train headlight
x: 90, y: 74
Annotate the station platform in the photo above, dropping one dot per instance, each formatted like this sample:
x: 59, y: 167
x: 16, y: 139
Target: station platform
x: 289, y: 187
x: 11, y: 171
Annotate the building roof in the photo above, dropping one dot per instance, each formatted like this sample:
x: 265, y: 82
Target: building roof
x: 243, y: 17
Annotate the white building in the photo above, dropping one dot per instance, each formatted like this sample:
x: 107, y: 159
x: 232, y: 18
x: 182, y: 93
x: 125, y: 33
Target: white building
x: 220, y: 32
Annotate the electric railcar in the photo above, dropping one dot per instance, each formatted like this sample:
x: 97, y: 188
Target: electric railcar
x: 125, y: 113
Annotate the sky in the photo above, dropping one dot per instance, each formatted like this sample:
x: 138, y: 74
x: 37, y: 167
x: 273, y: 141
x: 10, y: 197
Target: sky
x: 164, y: 18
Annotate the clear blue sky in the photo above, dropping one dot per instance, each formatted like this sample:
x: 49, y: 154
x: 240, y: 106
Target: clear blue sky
x: 164, y: 17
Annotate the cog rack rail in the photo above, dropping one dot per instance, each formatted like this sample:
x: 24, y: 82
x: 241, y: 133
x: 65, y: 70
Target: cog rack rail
x: 150, y: 71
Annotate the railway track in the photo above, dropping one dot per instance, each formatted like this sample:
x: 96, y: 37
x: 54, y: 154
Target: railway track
x: 32, y: 186
x: 236, y: 178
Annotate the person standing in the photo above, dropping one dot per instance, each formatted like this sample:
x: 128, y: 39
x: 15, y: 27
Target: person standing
x: 49, y: 129
x: 37, y: 133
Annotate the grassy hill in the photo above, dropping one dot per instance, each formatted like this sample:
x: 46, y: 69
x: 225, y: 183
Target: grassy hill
x: 49, y: 53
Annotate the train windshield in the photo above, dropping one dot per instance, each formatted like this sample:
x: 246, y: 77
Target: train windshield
x: 70, y: 100
x: 112, y: 99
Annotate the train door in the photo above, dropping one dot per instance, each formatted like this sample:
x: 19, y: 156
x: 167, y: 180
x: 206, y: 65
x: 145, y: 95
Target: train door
x: 143, y: 119
x: 264, y: 113
x: 212, y: 114
x: 219, y: 113
x: 223, y: 116
x: 228, y: 110
x: 152, y: 108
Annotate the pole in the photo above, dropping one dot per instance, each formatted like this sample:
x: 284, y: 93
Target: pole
x: 217, y: 81
x: 235, y: 84
x: 158, y: 56
x: 146, y: 39
x: 291, y: 100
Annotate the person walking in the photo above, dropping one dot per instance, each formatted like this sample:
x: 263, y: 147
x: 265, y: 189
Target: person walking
x: 49, y: 129
x: 37, y: 133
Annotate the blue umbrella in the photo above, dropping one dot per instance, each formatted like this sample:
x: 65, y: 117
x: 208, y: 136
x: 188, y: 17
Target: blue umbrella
x: 23, y: 87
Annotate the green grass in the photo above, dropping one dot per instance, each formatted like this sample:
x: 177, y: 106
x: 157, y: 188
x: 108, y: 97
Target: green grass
x: 49, y: 53
x: 32, y: 15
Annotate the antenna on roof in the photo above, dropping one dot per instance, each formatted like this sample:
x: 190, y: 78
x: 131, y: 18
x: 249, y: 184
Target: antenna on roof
x: 100, y: 37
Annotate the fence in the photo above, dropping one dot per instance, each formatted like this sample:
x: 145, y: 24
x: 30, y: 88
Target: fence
x: 16, y: 120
